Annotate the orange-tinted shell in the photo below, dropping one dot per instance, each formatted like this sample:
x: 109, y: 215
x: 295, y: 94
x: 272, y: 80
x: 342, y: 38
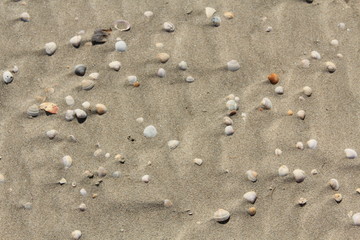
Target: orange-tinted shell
x: 49, y: 107
x: 136, y: 84
x: 274, y: 78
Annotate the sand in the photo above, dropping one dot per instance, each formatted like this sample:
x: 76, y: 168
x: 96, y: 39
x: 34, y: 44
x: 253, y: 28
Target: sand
x: 127, y: 208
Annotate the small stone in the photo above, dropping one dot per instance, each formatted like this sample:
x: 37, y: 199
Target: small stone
x: 25, y: 17
x: 189, y: 79
x: 229, y: 15
x: 94, y: 76
x: 69, y: 115
x: 120, y: 46
x: 163, y: 57
x: 115, y: 65
x: 69, y: 100
x: 315, y: 55
x: 140, y: 120
x: 228, y: 121
x: 268, y: 29
x: 278, y: 152
x: 300, y: 145
x: 358, y: 190
x: 216, y: 20
x: 107, y: 155
x: 83, y: 192
x: 8, y: 77
x: 148, y: 13
x: 251, y: 211
x: 101, y: 172
x: 309, y: 1
x: 172, y: 144
x: 233, y: 65
x: 341, y: 25
x: 82, y: 207
x: 100, y: 109
x: 98, y: 152
x: 167, y: 203
x: 75, y: 41
x: 290, y: 112
x: 50, y: 48
x: 161, y: 73
x: 27, y: 205
x: 62, y: 181
x: 339, y: 55
x: 132, y: 79
x: 80, y: 70
x: 334, y: 42
x: 116, y: 174
x: 338, y: 197
x: 302, y: 201
x: 86, y: 105
x: 229, y: 130
x: 183, y: 65
x: 145, y: 178
x: 150, y: 131
x: 168, y: 27
x: 198, y: 161
x: 305, y: 63
x: 307, y: 91
x: 314, y: 172
x: 273, y: 78
x: 331, y: 67
x: 279, y: 90
x: 301, y: 114
x: 2, y: 178
x: 76, y: 234
x: 80, y: 114
x: 15, y: 69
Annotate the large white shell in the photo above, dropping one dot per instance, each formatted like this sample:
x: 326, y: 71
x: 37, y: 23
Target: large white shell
x: 8, y: 77
x: 334, y: 184
x: 250, y: 197
x: 209, y: 11
x: 266, y: 103
x: 283, y: 171
x: 312, y: 143
x: 356, y: 219
x: 116, y: 65
x: 252, y: 175
x: 350, y: 153
x: 76, y: 234
x: 67, y: 161
x: 76, y: 41
x: 150, y: 131
x: 50, y: 48
x: 172, y: 144
x: 299, y: 175
x: 221, y: 215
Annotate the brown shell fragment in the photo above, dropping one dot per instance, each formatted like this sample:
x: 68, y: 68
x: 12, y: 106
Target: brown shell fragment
x: 49, y: 107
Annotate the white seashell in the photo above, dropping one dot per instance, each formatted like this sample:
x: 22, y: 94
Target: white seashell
x: 80, y: 114
x: 233, y: 65
x: 339, y: 55
x: 98, y: 152
x: 266, y: 103
x: 209, y: 12
x: 87, y: 84
x: 331, y: 67
x: 86, y: 105
x: 189, y: 79
x: 150, y: 131
x: 278, y: 152
x: 302, y: 201
x: 341, y: 25
x: 80, y: 70
x: 301, y: 114
x: 82, y: 207
x: 279, y: 90
x: 148, y: 13
x: 101, y: 172
x: 167, y: 203
x: 283, y: 171
x: 334, y: 184
x: 312, y: 143
x: 168, y: 27
x: 300, y: 145
x: 69, y: 115
x: 132, y: 79
x: 315, y: 55
x: 231, y: 105
x: 25, y: 17
x: 307, y: 91
x: 334, y: 42
x: 198, y: 161
x: 305, y: 63
x: 250, y: 197
x: 52, y: 133
x: 27, y: 205
x: 83, y: 192
x: 252, y: 175
x: 33, y: 110
x: 2, y: 178
x: 161, y: 72
x: 116, y: 174
x: 356, y: 219
x: 8, y: 77
x: 15, y: 69
x: 62, y: 181
x: 140, y: 120
x: 50, y: 48
x: 145, y: 178
x: 299, y: 175
x: 116, y: 65
x: 338, y: 197
x: 120, y: 46
x: 229, y: 130
x: 69, y: 100
x: 314, y: 172
x: 94, y: 75
x: 350, y: 153
x: 237, y: 99
x: 230, y: 97
x: 268, y: 29
x: 76, y: 234
x: 221, y: 215
x: 183, y: 65
x: 172, y: 144
x: 228, y: 121
x: 75, y: 41
x: 67, y: 161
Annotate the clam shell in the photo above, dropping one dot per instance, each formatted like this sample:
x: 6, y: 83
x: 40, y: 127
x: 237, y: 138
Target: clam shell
x: 172, y: 144
x: 50, y: 48
x: 307, y: 91
x: 228, y: 121
x: 62, y: 181
x: 80, y: 70
x: 356, y: 219
x: 299, y: 175
x: 334, y: 42
x: 148, y: 13
x: 273, y: 78
x: 350, y: 153
x: 94, y: 76
x: 167, y: 203
x: 145, y: 178
x: 250, y: 197
x: 278, y: 152
x: 116, y: 174
x: 334, y: 184
x: 80, y: 114
x: 312, y: 143
x: 279, y: 90
x: 301, y: 114
x: 100, y: 109
x: 233, y: 65
x: 221, y: 215
x: 98, y: 152
x: 116, y: 65
x: 150, y: 131
x: 86, y: 105
x: 229, y: 15
x: 33, y: 111
x: 101, y: 172
x: 168, y: 27
x: 87, y: 84
x: 183, y: 65
x: 209, y: 11
x: 161, y: 73
x: 252, y: 175
x: 331, y: 67
x: 229, y: 130
x: 76, y: 234
x: 69, y: 115
x: 8, y: 77
x: 25, y: 17
x: 83, y: 192
x: 126, y: 24
x: 69, y: 100
x: 198, y: 161
x: 216, y: 20
x: 67, y: 161
x: 52, y: 133
x: 338, y: 197
x: 283, y: 171
x: 231, y: 105
x: 120, y: 46
x: 302, y: 201
x: 305, y: 63
x: 75, y: 41
x: 315, y: 55
x: 163, y: 57
x: 132, y: 79
x: 82, y: 207
x: 266, y: 103
x: 300, y: 145
x: 189, y: 79
x: 49, y: 107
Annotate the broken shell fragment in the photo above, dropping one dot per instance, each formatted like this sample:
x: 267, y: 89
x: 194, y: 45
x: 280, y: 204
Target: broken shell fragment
x: 209, y: 11
x: 49, y: 107
x: 221, y: 215
x: 100, y: 36
x: 125, y: 23
x: 76, y: 234
x: 302, y: 201
x: 116, y: 65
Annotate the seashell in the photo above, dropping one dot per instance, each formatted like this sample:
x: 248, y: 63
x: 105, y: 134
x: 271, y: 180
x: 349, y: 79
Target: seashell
x: 83, y: 192
x: 356, y: 219
x: 2, y: 178
x: 331, y: 67
x: 309, y: 1
x: 307, y: 91
x: 300, y: 145
x: 136, y: 84
x: 25, y: 17
x: 251, y: 211
x: 266, y: 103
x: 233, y: 65
x: 334, y: 184
x: 302, y: 201
x: 237, y: 99
x: 250, y: 197
x: 163, y: 57
x: 229, y: 15
x: 82, y: 207
x: 189, y: 79
x: 301, y: 114
x: 172, y: 144
x: 94, y: 76
x: 312, y: 143
x: 148, y: 13
x: 228, y: 121
x: 120, y: 46
x: 100, y: 109
x: 87, y: 84
x: 305, y: 63
x: 72, y: 138
x: 167, y: 203
x: 140, y: 120
x: 229, y: 130
x: 299, y: 175
x: 52, y: 133
x: 338, y: 197
x: 290, y: 112
x: 279, y: 90
x: 161, y: 72
x: 100, y: 36
x: 315, y: 55
x: 126, y: 24
x: 339, y: 55
x: 80, y: 114
x: 8, y: 77
x: 69, y: 100
x: 198, y: 161
x: 221, y: 215
x: 116, y: 65
x: 107, y: 155
x: 33, y: 111
x: 252, y: 175
x: 80, y: 70
x: 69, y: 115
x: 314, y: 172
x: 183, y: 65
x: 273, y: 78
x: 231, y: 105
x: 49, y: 107
x: 75, y: 41
x: 50, y: 48
x: 67, y: 161
x: 15, y: 69
x: 209, y: 12
x: 116, y: 174
x: 27, y: 205
x: 168, y: 27
x: 98, y: 152
x: 350, y: 153
x: 150, y: 131
x: 86, y: 105
x: 334, y: 42
x: 268, y: 29
x: 132, y: 79
x: 278, y: 152
x: 62, y: 181
x: 216, y: 20
x: 283, y: 171
x: 76, y: 234
x: 145, y: 178
x: 101, y: 172
x: 88, y: 174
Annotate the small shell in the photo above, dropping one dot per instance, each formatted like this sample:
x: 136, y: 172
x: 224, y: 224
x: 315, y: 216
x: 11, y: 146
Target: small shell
x: 266, y: 103
x: 229, y: 130
x: 69, y: 115
x: 132, y: 79
x: 172, y: 144
x: 301, y: 114
x: 161, y: 73
x: 305, y: 63
x: 252, y: 175
x: 233, y: 65
x: 140, y: 120
x: 221, y: 215
x: 209, y: 11
x: 334, y: 42
x: 283, y: 171
x: 350, y: 153
x: 94, y: 76
x: 189, y: 79
x: 251, y: 211
x: 80, y: 114
x: 2, y: 178
x: 136, y: 84
x: 167, y: 203
x: 101, y: 172
x: 83, y: 192
x: 315, y: 55
x: 163, y: 57
x: 216, y: 20
x: 100, y: 109
x: 228, y: 121
x: 80, y: 70
x: 307, y: 91
x: 120, y: 46
x: 49, y: 107
x: 338, y: 197
x: 273, y: 78
x: 299, y: 175
x: 8, y: 77
x: 116, y: 65
x: 198, y: 161
x: 33, y: 111
x: 278, y: 152
x: 50, y: 48
x: 87, y: 84
x: 168, y: 27
x: 331, y: 67
x: 62, y: 181
x: 100, y: 36
x: 300, y: 145
x: 67, y: 161
x: 150, y: 131
x: 356, y: 219
x: 231, y: 105
x: 82, y: 207
x: 75, y: 41
x: 15, y: 69
x: 229, y: 15
x: 52, y: 133
x: 69, y: 100
x: 76, y: 234
x: 250, y: 197
x: 334, y: 184
x: 148, y: 13
x: 25, y: 17
x: 145, y: 178
x: 183, y: 65
x: 123, y: 22
x: 312, y: 143
x: 314, y: 172
x: 279, y: 90
x: 290, y: 112
x: 86, y: 105
x: 302, y: 201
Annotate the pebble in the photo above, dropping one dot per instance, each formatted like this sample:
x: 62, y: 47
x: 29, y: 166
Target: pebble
x: 50, y: 48
x: 250, y: 197
x: 266, y: 103
x: 315, y: 55
x: 356, y: 219
x: 33, y: 110
x: 8, y: 77
x: 145, y: 178
x: 2, y: 178
x: 314, y: 172
x: 167, y: 203
x: 76, y: 234
x: 172, y: 144
x: 305, y: 63
x: 216, y: 20
x: 209, y: 11
x: 116, y: 174
x: 273, y: 78
x: 290, y: 112
x: 86, y: 105
x: 300, y: 145
x: 299, y: 175
x: 331, y: 67
x: 69, y: 115
x: 83, y: 192
x: 161, y: 73
x: 80, y: 70
x: 307, y: 91
x: 189, y: 79
x: 302, y: 201
x: 334, y: 184
x: 27, y: 205
x: 350, y: 153
x: 69, y: 100
x: 101, y: 172
x: 25, y: 17
x: 67, y: 161
x: 183, y: 65
x: 278, y: 152
x: 100, y: 109
x: 268, y: 29
x: 229, y: 130
x: 120, y: 46
x: 116, y: 65
x: 51, y: 133
x: 82, y: 207
x: 62, y: 181
x: 283, y: 171
x: 75, y: 41
x: 341, y: 25
x: 338, y: 197
x: 228, y: 121
x: 150, y: 131
x: 279, y: 90
x: 107, y: 155
x: 87, y: 84
x: 229, y: 15
x: 168, y: 27
x: 339, y: 55
x: 15, y: 69
x: 198, y: 161
x: 140, y: 120
x: 80, y: 114
x: 233, y: 65
x: 334, y: 42
x: 301, y: 114
x: 148, y: 13
x: 221, y: 215
x: 251, y: 175
x: 312, y: 143
x: 132, y: 79
x: 94, y: 76
x: 163, y: 57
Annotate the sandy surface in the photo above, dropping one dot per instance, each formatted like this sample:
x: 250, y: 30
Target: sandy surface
x: 127, y: 208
